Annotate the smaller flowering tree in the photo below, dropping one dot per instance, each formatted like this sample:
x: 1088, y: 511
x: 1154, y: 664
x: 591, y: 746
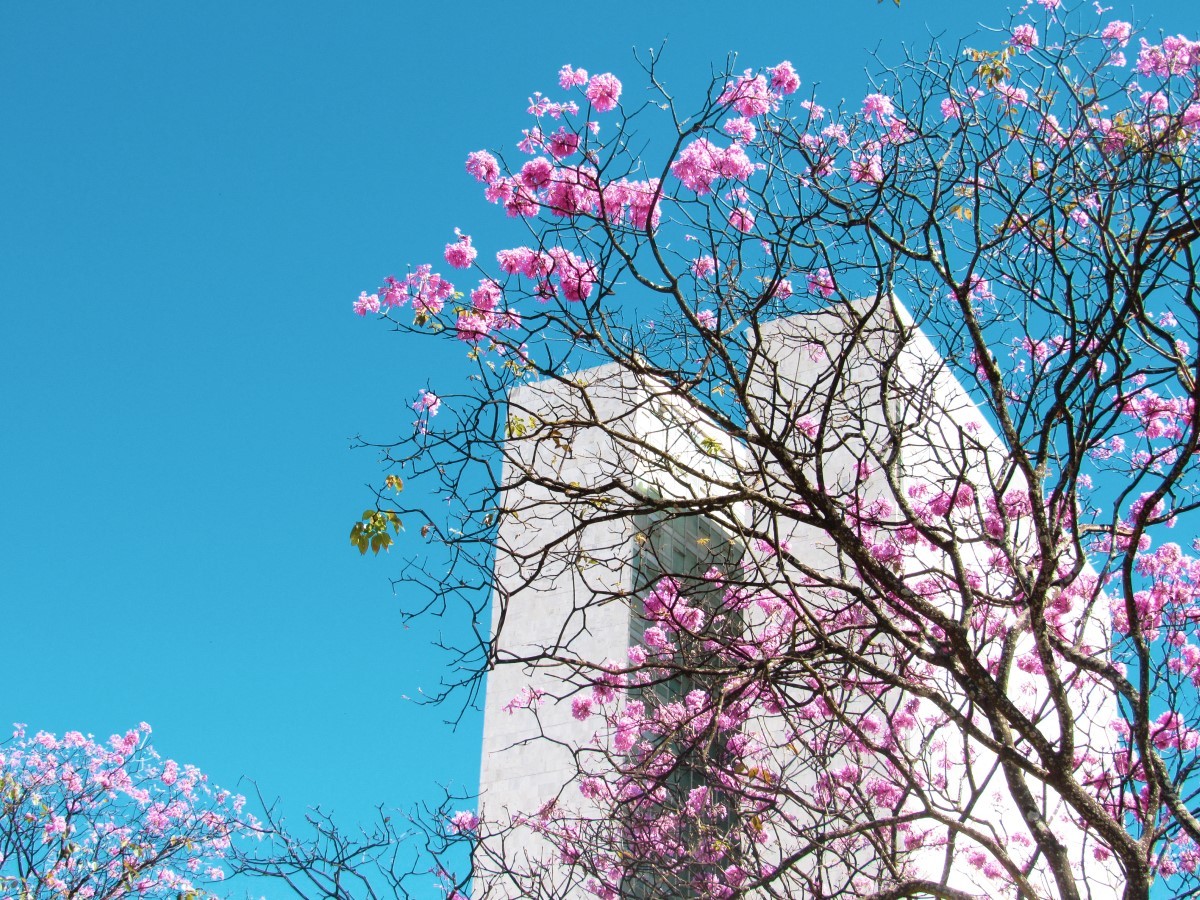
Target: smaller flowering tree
x: 94, y: 820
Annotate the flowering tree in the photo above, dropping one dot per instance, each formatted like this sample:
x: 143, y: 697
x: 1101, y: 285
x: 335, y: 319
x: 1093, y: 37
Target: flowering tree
x: 84, y: 819
x: 894, y: 423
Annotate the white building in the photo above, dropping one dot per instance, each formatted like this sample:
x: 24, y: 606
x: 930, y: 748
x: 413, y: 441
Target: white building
x: 612, y: 479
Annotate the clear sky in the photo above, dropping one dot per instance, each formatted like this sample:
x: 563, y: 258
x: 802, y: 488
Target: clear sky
x: 191, y: 195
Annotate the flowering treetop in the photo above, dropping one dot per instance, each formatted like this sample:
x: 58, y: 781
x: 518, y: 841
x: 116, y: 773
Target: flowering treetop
x: 82, y: 818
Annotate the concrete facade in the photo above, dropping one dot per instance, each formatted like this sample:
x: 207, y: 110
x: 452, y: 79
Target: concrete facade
x: 566, y: 573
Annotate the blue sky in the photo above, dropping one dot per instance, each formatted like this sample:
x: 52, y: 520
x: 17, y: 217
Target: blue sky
x: 191, y: 195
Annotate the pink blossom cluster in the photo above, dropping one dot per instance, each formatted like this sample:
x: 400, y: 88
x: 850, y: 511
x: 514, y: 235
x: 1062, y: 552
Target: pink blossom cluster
x: 1174, y: 56
x: 636, y: 203
x: 821, y: 282
x: 703, y: 267
x: 1170, y: 595
x: 740, y: 129
x: 575, y: 275
x: 568, y: 190
x: 461, y: 254
x: 749, y: 94
x: 1024, y: 38
x: 464, y: 822
x: 602, y: 91
x: 878, y: 107
x: 867, y: 167
x: 1012, y: 96
x: 544, y: 106
x: 427, y: 403
x: 701, y: 163
x: 484, y: 317
x: 652, y: 737
x: 784, y: 78
x: 742, y: 219
x: 424, y: 288
x: 1116, y: 33
x: 1160, y: 417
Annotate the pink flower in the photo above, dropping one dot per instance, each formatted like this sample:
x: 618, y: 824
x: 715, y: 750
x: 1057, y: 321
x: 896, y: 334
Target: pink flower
x: 707, y: 319
x: 472, y: 327
x: 526, y: 698
x: 366, y: 303
x: 1173, y: 57
x: 461, y: 254
x: 821, y: 282
x: 950, y: 109
x: 749, y: 95
x: 428, y: 401
x: 641, y: 199
x: 701, y: 163
x: 816, y: 112
x: 603, y: 91
x: 464, y: 822
x: 741, y: 128
x: 1155, y: 100
x: 1116, y: 33
x: 520, y: 202
x: 532, y: 140
x: 784, y: 78
x: 979, y: 288
x: 1012, y: 96
x: 1024, y: 38
x: 837, y: 133
x: 56, y: 826
x: 576, y: 276
x: 393, y: 292
x: 581, y: 708
x: 562, y: 143
x: 867, y: 167
x: 782, y: 290
x: 878, y: 106
x: 573, y: 190
x: 483, y: 166
x: 704, y: 266
x: 430, y: 290
x: 742, y: 219
x: 524, y: 261
x: 487, y: 296
x: 569, y: 78
x: 499, y: 191
x: 537, y: 173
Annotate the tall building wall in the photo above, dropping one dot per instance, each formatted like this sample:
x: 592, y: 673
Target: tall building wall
x: 868, y: 388
x: 566, y: 575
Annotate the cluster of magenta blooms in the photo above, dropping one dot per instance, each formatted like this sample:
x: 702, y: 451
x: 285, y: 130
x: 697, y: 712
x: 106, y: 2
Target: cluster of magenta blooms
x: 643, y: 739
x: 88, y: 819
